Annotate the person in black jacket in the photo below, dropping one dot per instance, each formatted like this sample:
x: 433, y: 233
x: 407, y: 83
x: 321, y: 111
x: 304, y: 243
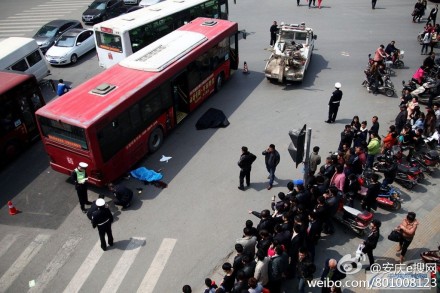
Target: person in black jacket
x: 93, y: 207
x: 272, y: 159
x: 369, y: 201
x: 103, y: 219
x: 266, y: 221
x: 313, y: 234
x: 374, y: 125
x: 371, y: 241
x: 333, y: 104
x: 273, y: 33
x: 123, y: 195
x: 401, y: 118
x: 277, y: 269
x: 352, y: 189
x: 245, y: 164
x: 433, y: 15
x: 304, y: 269
x: 331, y: 273
x: 389, y: 172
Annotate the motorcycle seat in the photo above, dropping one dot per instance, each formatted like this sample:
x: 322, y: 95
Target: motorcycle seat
x: 365, y: 216
x: 432, y: 155
x: 404, y: 169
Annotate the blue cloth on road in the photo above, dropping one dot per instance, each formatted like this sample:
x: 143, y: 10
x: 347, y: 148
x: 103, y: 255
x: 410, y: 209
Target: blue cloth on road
x: 144, y: 174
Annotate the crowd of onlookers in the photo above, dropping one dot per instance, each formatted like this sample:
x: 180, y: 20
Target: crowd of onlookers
x: 281, y: 247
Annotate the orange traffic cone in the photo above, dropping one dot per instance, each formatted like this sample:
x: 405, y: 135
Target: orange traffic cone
x: 245, y: 68
x: 12, y: 209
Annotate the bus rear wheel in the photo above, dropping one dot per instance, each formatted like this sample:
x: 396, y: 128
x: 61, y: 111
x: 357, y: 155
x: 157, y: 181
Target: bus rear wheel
x: 219, y: 82
x: 155, y: 140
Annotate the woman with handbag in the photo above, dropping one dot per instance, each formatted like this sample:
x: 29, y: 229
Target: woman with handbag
x: 371, y: 242
x: 408, y: 229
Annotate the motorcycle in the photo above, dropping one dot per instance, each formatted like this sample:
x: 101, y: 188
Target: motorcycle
x: 354, y: 219
x: 432, y: 256
x: 394, y: 61
x: 426, y: 161
x: 430, y: 158
x: 386, y: 88
x: 388, y: 198
x: 407, y: 176
x: 423, y: 92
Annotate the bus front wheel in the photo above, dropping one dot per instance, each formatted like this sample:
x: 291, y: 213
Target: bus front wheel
x: 155, y: 140
x: 219, y: 82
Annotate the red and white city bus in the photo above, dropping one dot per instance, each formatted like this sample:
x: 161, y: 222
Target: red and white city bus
x: 20, y: 97
x: 114, y: 119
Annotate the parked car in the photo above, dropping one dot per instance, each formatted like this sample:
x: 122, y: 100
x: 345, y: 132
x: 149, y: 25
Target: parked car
x: 49, y: 32
x: 101, y: 10
x: 146, y: 3
x: 70, y: 46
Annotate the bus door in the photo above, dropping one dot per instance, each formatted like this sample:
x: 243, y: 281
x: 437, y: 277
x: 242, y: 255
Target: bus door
x: 28, y: 106
x: 233, y: 50
x: 180, y: 96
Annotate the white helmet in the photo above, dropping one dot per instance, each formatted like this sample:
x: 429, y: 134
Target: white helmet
x: 338, y: 85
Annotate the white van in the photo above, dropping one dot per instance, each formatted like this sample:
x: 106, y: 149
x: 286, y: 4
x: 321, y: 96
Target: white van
x: 23, y: 54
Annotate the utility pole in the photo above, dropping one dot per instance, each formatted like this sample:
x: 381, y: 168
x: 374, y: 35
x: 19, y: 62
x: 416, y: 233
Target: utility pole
x: 307, y: 156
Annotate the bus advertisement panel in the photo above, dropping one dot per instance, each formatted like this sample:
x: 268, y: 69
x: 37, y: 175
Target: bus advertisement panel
x: 111, y: 121
x: 119, y: 37
x: 20, y: 97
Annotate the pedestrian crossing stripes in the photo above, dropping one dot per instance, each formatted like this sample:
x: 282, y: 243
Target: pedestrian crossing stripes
x: 124, y: 263
x: 18, y: 266
x: 157, y: 266
x: 7, y: 242
x: 57, y: 262
x: 84, y: 270
x: 38, y: 16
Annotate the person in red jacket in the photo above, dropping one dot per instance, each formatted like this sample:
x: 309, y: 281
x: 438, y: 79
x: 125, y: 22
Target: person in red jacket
x: 390, y: 139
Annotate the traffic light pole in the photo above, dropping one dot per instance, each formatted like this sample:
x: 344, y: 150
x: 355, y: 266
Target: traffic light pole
x: 307, y: 156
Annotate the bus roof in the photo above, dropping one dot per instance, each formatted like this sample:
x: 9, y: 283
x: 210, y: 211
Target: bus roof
x: 82, y: 107
x: 164, y: 51
x: 10, y: 79
x: 139, y: 17
x: 10, y: 45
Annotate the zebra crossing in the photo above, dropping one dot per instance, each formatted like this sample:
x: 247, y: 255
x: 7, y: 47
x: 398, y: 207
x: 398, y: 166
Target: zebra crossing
x: 25, y: 23
x: 87, y: 267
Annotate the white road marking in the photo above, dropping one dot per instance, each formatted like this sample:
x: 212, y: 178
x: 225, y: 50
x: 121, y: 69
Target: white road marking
x: 157, y: 266
x: 85, y: 269
x: 124, y: 263
x: 7, y: 242
x: 17, y: 30
x: 22, y: 261
x: 54, y: 266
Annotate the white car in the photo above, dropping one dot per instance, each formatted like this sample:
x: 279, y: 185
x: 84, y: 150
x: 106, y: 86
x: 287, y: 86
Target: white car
x: 70, y: 46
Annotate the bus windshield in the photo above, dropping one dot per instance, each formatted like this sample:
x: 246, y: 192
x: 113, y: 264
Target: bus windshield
x: 108, y: 42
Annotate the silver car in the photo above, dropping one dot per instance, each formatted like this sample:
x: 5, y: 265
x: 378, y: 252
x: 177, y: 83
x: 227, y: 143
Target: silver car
x: 70, y: 46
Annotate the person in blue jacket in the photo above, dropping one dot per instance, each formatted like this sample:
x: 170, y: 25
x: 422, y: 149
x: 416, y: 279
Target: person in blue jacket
x: 62, y: 88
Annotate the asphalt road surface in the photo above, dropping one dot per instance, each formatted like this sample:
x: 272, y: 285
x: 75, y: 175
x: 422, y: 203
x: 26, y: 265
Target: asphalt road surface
x: 181, y: 234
